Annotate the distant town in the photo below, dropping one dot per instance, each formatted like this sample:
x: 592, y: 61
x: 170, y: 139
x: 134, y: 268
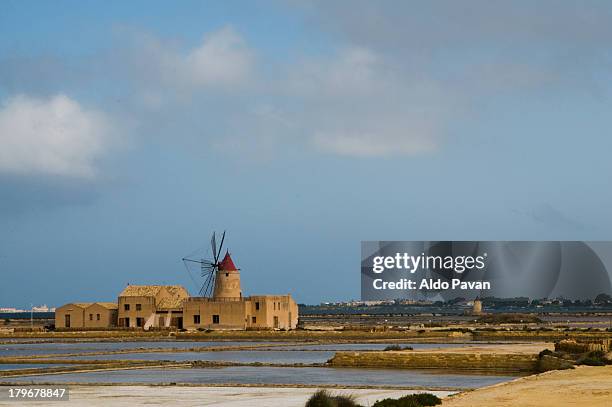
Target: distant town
x: 39, y: 308
x: 491, y: 304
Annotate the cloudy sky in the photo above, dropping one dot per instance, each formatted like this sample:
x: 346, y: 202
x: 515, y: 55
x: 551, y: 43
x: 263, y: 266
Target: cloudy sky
x: 130, y: 131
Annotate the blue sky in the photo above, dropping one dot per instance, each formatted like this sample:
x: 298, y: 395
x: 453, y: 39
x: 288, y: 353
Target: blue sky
x: 130, y: 131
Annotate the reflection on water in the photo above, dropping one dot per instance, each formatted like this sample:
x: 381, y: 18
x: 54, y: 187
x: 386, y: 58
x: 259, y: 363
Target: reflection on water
x: 275, y: 375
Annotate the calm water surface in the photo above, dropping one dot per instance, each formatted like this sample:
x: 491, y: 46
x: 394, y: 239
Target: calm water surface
x: 25, y: 349
x: 285, y: 357
x: 274, y: 375
x: 10, y: 366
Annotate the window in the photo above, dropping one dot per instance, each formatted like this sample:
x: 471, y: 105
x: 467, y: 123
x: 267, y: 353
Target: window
x: 138, y: 307
x: 91, y: 317
x: 215, y: 319
x: 196, y: 319
x: 257, y: 306
x: 254, y: 320
x: 97, y: 317
x: 126, y: 307
x: 139, y: 322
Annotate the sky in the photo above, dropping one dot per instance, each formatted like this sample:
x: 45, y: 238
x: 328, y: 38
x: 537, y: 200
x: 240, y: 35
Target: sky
x: 129, y: 131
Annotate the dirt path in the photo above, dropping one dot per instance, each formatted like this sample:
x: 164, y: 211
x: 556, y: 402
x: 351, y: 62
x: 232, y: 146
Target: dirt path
x: 583, y: 386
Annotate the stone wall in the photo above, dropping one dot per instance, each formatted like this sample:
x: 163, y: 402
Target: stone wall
x: 437, y: 360
x: 573, y: 346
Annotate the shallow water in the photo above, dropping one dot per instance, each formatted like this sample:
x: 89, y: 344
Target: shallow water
x: 10, y: 366
x: 275, y: 375
x: 26, y: 349
x: 374, y: 346
x: 246, y: 356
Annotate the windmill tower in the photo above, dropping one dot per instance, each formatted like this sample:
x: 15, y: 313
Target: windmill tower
x: 221, y: 278
x: 227, y: 282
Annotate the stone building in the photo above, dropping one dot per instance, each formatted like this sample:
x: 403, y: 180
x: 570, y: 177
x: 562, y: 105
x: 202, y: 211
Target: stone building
x: 146, y: 306
x: 228, y: 309
x: 101, y: 315
x: 86, y: 315
x: 170, y: 306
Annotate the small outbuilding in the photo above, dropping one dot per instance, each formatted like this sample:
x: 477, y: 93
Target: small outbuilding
x: 71, y: 315
x: 86, y: 315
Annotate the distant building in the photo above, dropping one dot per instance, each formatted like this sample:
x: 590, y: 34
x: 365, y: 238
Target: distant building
x: 146, y: 306
x: 228, y: 309
x: 477, y: 307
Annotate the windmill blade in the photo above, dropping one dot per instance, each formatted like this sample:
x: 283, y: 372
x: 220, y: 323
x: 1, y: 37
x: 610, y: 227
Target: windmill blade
x: 189, y: 272
x: 213, y: 243
x: 203, y: 288
x: 207, y: 287
x: 211, y: 284
x: 220, y: 246
x: 207, y: 269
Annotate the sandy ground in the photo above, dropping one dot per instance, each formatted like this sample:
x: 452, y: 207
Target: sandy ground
x: 119, y: 396
x: 583, y: 386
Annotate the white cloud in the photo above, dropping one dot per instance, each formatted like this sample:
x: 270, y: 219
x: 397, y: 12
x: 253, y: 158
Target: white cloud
x: 221, y: 61
x: 223, y: 58
x: 357, y: 103
x: 55, y: 136
x: 375, y: 143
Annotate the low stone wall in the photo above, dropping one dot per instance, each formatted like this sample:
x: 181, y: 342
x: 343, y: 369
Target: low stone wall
x: 573, y: 346
x: 437, y: 360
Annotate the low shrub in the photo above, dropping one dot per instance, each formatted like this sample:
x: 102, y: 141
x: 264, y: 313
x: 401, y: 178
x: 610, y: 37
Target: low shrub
x: 397, y: 347
x: 412, y: 400
x: 323, y: 398
x: 588, y: 361
x: 546, y: 352
x: 594, y: 358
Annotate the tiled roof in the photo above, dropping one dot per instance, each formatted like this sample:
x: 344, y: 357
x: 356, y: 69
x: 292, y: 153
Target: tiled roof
x: 177, y: 292
x: 108, y: 305
x: 140, y: 291
x: 82, y: 304
x: 170, y: 303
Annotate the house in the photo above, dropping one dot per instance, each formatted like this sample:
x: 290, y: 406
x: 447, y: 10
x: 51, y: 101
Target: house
x: 146, y: 306
x: 86, y: 315
x: 101, y: 315
x: 71, y: 315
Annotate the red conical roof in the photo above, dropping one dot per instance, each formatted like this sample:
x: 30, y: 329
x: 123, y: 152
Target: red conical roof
x: 227, y: 264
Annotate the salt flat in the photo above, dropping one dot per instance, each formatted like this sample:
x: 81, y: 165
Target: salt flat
x: 119, y: 396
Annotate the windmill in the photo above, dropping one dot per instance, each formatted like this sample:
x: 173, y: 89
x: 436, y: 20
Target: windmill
x: 208, y: 268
